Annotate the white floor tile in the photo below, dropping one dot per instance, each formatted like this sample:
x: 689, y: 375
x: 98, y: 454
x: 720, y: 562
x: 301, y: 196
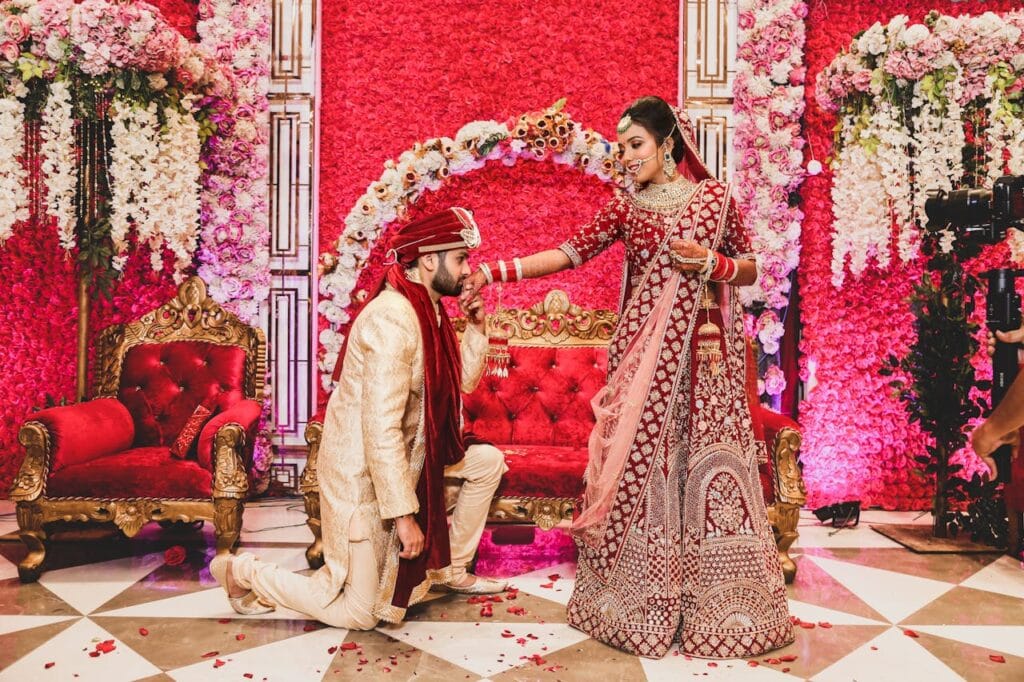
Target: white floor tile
x: 811, y: 534
x: 894, y: 595
x: 479, y: 647
x: 212, y: 603
x: 92, y: 585
x: 1008, y: 639
x: 561, y: 588
x: 69, y: 651
x: 283, y: 521
x: 817, y: 614
x: 304, y: 657
x: 675, y: 667
x: 1005, y: 575
x: 15, y: 623
x: 897, y: 658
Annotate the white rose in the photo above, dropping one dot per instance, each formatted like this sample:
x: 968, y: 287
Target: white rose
x: 915, y: 34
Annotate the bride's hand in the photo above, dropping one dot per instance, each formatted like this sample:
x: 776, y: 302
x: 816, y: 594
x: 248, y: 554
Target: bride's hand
x: 472, y: 285
x: 688, y: 255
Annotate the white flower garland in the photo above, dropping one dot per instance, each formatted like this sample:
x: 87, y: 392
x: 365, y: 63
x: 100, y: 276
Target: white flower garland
x: 13, y: 191
x: 893, y: 157
x: 134, y: 132
x: 60, y: 163
x: 939, y: 141
x: 861, y: 227
x: 155, y: 183
x: 174, y: 204
x: 948, y: 62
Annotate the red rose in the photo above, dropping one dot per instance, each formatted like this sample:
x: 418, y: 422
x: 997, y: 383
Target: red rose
x: 174, y: 556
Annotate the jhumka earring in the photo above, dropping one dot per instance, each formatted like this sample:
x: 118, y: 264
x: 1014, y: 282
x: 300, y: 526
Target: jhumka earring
x: 669, y: 166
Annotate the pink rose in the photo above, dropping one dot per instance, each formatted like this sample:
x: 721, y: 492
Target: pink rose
x: 862, y: 80
x: 746, y: 20
x: 10, y: 51
x: 16, y: 28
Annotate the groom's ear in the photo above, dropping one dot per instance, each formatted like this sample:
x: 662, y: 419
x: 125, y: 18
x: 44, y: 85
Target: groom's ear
x: 429, y: 262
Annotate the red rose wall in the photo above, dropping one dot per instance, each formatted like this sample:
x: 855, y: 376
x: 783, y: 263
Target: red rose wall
x: 857, y: 442
x: 38, y: 311
x: 394, y: 73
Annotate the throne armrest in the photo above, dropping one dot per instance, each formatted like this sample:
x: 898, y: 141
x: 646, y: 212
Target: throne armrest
x: 784, y: 439
x: 244, y: 413
x: 309, y: 482
x: 84, y: 431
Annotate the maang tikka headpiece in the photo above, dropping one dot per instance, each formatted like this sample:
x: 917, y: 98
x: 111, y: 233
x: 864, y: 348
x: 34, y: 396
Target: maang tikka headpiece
x: 624, y: 124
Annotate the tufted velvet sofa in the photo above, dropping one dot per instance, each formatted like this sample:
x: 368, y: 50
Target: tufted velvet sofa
x: 540, y: 416
x: 109, y: 459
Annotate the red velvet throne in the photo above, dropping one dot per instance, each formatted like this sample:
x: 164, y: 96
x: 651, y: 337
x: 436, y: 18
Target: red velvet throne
x: 540, y: 416
x: 109, y: 459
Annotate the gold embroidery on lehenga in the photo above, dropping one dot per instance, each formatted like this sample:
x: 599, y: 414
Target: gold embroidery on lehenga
x: 685, y: 556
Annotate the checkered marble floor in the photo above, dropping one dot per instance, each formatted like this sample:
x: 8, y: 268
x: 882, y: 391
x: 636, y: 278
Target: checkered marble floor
x: 112, y: 609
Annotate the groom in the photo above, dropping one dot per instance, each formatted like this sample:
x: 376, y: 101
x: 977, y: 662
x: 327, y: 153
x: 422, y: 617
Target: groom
x: 392, y: 434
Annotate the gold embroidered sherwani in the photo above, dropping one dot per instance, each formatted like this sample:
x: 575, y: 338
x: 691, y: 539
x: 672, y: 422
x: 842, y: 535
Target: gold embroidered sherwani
x: 371, y: 456
x: 372, y: 449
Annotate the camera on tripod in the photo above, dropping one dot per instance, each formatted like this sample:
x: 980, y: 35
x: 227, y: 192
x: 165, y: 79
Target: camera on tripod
x: 983, y: 216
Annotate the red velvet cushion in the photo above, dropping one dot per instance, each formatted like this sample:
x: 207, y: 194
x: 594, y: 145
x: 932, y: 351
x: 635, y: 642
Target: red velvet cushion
x: 81, y: 432
x: 245, y: 413
x: 161, y: 384
x: 142, y: 472
x: 545, y: 400
x: 543, y: 471
x: 184, y: 444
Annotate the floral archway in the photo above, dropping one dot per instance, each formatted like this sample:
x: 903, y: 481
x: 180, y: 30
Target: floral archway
x: 549, y: 135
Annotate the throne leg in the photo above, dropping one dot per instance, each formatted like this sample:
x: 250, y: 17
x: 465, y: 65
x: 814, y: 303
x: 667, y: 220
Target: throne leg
x: 784, y: 523
x: 32, y: 533
x: 315, y: 552
x: 227, y: 523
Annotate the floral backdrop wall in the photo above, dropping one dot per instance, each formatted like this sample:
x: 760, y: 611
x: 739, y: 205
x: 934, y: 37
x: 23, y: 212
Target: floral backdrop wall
x: 39, y: 308
x: 424, y: 74
x: 857, y: 441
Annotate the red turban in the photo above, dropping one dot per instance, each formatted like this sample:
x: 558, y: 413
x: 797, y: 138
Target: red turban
x: 452, y: 228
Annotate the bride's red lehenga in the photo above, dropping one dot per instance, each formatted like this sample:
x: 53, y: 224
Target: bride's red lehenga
x: 674, y: 541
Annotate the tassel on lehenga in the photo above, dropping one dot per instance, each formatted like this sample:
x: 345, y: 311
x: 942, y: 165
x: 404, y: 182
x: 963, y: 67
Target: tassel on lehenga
x: 709, y: 343
x: 498, y: 356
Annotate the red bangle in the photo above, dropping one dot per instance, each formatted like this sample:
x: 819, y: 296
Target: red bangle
x: 720, y: 268
x: 724, y: 270
x: 502, y: 271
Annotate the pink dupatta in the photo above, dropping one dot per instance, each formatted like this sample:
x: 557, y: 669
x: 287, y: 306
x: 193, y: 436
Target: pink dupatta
x: 617, y: 407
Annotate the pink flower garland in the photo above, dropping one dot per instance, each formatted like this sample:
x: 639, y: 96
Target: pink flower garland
x: 768, y: 103
x: 234, y: 256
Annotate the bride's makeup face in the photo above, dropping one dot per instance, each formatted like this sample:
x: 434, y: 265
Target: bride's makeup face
x: 639, y: 154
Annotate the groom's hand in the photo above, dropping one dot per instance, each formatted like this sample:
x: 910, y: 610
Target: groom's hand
x: 411, y: 537
x: 474, y: 310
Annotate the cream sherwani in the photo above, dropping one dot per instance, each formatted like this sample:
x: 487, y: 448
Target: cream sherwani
x: 371, y: 455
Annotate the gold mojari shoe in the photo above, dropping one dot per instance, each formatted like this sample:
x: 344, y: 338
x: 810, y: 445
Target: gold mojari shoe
x: 478, y: 586
x: 248, y: 604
